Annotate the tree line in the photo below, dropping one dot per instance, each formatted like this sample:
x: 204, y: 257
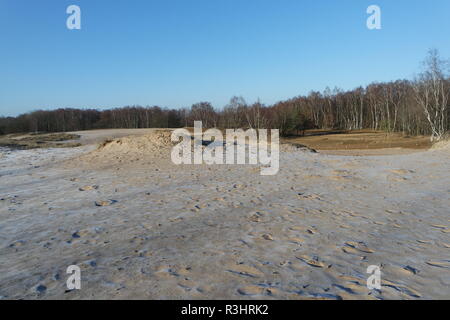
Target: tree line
x: 414, y: 107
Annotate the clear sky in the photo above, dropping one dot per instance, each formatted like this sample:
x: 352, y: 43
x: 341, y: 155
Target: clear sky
x: 173, y: 53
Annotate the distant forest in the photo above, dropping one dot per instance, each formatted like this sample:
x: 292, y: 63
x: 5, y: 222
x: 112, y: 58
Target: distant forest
x: 414, y: 107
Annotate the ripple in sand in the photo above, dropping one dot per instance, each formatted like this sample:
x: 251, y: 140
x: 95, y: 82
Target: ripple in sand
x: 438, y: 264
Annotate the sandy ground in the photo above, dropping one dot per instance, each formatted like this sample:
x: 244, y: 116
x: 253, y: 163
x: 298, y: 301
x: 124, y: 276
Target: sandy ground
x: 370, y: 152
x: 142, y: 228
x: 98, y: 136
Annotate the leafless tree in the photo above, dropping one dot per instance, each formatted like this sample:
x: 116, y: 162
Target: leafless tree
x: 432, y: 93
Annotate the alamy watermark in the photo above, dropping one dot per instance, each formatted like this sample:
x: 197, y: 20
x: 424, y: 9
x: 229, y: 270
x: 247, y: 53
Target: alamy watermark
x: 73, y: 22
x: 374, y: 280
x: 210, y: 147
x: 374, y: 20
x: 74, y: 280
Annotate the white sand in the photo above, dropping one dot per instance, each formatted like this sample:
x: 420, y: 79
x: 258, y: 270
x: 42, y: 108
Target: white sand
x: 223, y: 232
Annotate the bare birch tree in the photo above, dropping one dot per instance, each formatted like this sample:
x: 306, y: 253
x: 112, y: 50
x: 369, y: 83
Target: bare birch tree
x: 432, y: 93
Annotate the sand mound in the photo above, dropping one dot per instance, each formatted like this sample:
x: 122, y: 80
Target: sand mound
x: 294, y: 147
x: 130, y: 149
x: 146, y: 143
x: 151, y: 146
x: 441, y: 145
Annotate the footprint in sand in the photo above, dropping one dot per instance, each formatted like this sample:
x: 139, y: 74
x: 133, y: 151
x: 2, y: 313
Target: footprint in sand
x: 104, y: 203
x: 399, y: 175
x: 251, y: 291
x: 360, y: 246
x: 350, y: 250
x: 308, y: 230
x: 340, y: 178
x: 401, y: 288
x: 351, y: 288
x: 267, y: 236
x: 312, y: 177
x: 425, y: 241
x: 401, y: 171
x: 351, y: 279
x: 311, y: 261
x: 341, y: 172
x: 255, y: 217
x: 355, y: 215
x: 258, y: 290
x: 396, y: 178
x: 88, y: 188
x: 187, y: 284
x: 17, y: 243
x: 439, y: 226
x: 309, y: 196
x: 411, y: 270
x: 244, y: 270
x: 80, y: 233
x: 166, y: 272
x: 401, y: 272
x: 339, y: 175
x: 296, y: 240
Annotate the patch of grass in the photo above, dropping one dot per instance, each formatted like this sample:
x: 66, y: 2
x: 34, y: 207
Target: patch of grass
x: 51, y: 137
x: 39, y: 140
x: 359, y: 139
x: 104, y: 143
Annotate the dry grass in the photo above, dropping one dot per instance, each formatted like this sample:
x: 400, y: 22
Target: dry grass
x: 40, y: 140
x: 360, y: 140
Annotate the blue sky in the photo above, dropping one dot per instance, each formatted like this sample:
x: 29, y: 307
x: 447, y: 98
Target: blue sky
x: 173, y: 53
